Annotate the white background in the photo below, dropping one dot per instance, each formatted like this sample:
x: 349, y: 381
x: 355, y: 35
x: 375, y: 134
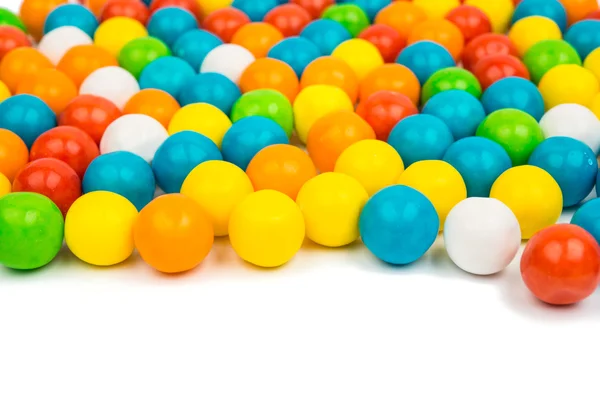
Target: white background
x: 332, y: 324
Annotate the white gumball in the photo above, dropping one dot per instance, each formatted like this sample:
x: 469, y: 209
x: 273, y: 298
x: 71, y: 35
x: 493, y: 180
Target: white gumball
x: 574, y: 121
x: 57, y: 42
x: 113, y: 83
x: 230, y: 60
x: 482, y: 235
x: 136, y: 133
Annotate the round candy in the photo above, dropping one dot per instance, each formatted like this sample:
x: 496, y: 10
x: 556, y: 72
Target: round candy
x: 449, y: 79
x: 351, y: 16
x: 331, y: 71
x: 134, y: 9
x: 459, y: 110
x: 514, y: 92
x: 211, y: 88
x: 230, y: 60
x: 116, y: 32
x: 123, y: 173
x: 531, y: 30
x: 154, y: 103
x: 269, y: 73
x: 80, y: 61
x: 499, y: 11
x: 326, y: 34
x: 218, y: 186
x: 281, y: 167
x: 136, y: 133
x: 569, y: 84
x: 578, y: 9
x: 212, y: 6
x: 265, y: 103
x: 112, y: 83
x: 588, y: 217
x: 494, y: 68
x: 33, y: 13
x: 551, y: 9
x: 138, y: 53
x: 213, y: 125
x: 437, y: 9
x: 192, y: 6
x: 592, y: 63
x: 169, y: 23
x: 289, y: 19
x: 387, y: 40
x: 371, y: 7
x: 13, y: 154
x: 361, y: 55
x: 225, y: 22
x: 402, y: 16
x: 5, y: 185
x: 29, y: 222
x: 172, y: 234
x: 488, y: 44
x: 394, y: 78
x: 554, y: 272
x: 584, y: 36
x: 314, y: 7
x: 27, y: 116
x: 71, y: 15
x: 255, y: 9
x: 471, y: 21
x: 91, y: 114
x: 440, y: 31
x: 99, y: 228
x: 398, y: 225
x: 51, y: 86
x: 424, y: 58
x: 8, y: 18
x: 169, y: 74
x: 384, y: 109
x: 482, y: 236
x: 257, y: 37
x: 12, y: 38
x: 297, y: 52
x: 574, y: 121
x: 55, y: 44
x: 193, y: 46
x: 533, y: 196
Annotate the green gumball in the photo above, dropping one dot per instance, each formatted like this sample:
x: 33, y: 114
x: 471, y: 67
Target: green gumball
x: 450, y: 79
x: 9, y: 18
x: 265, y: 103
x: 351, y: 16
x: 547, y: 54
x: 138, y: 53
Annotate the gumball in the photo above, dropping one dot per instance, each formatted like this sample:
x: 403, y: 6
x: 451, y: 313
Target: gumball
x: 99, y: 228
x: 352, y: 17
x: 13, y: 154
x: 371, y: 7
x: 179, y: 155
x: 148, y: 135
x: 96, y: 5
x: 487, y: 45
x: 248, y: 136
x: 437, y: 9
x: 230, y: 60
x: 213, y: 125
x: 547, y: 54
x: 588, y: 217
x: 387, y: 40
x: 225, y: 22
x: 289, y: 19
x: 133, y: 9
x: 269, y: 73
x: 398, y: 225
x: 402, y: 16
x: 8, y: 18
x: 257, y: 37
x: 333, y: 72
x: 68, y: 144
x: 219, y: 187
x: 123, y: 173
x: 361, y: 55
x: 424, y: 58
x: 459, y: 110
x: 52, y: 178
x: 20, y: 64
x: 12, y: 38
x: 5, y: 185
x: 91, y: 114
x: 384, y: 109
x: 52, y: 86
x: 27, y: 116
x: 420, y: 137
x: 531, y: 30
x: 154, y: 103
x: 194, y: 45
x: 554, y: 272
x: 212, y: 6
x: 578, y: 9
x: 112, y: 83
x: 80, y: 61
x: 168, y: 74
x: 281, y: 167
x: 265, y: 103
x: 314, y: 7
x: 592, y: 63
x: 32, y: 230
x: 394, y: 78
x: 57, y: 43
x: 494, y: 68
x: 574, y: 121
x: 551, y: 9
x: 471, y: 21
x: 326, y: 34
x: 568, y: 84
x: 255, y: 10
x: 71, y: 15
x: 514, y: 92
x: 211, y: 88
x: 33, y: 13
x: 116, y: 32
x: 297, y: 52
x: 189, y: 5
x: 440, y: 31
x: 139, y: 53
x: 169, y: 23
x: 453, y: 78
x: 499, y: 12
x: 584, y: 36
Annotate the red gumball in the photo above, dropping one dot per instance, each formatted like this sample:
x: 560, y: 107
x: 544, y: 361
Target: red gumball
x: 384, y: 109
x: 11, y: 38
x: 471, y: 21
x: 91, y: 114
x: 561, y: 264
x: 488, y: 44
x: 387, y: 40
x: 134, y: 9
x: 314, y: 7
x: 68, y: 144
x: 493, y: 68
x: 52, y: 178
x: 289, y: 19
x: 225, y: 22
x: 189, y: 5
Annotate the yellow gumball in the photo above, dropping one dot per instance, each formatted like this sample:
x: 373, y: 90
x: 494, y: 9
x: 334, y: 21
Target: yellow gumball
x: 373, y: 163
x: 499, y: 12
x: 595, y: 106
x: 331, y: 204
x: 592, y: 62
x: 114, y: 33
x: 531, y: 30
x: 218, y: 186
x: 208, y: 6
x: 99, y: 228
x: 533, y: 196
x: 203, y: 118
x: 316, y: 101
x: 4, y: 92
x: 362, y: 56
x: 437, y: 8
x: 5, y: 185
x: 266, y: 229
x: 569, y: 84
x: 439, y: 181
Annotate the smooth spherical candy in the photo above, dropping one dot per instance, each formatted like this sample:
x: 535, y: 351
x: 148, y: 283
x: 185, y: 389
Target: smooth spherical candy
x: 533, y: 196
x: 439, y: 181
x: 230, y: 60
x: 449, y: 79
x: 326, y: 34
x: 488, y: 44
x: 352, y: 17
x: 571, y: 163
x: 402, y: 16
x: 52, y: 178
x: 138, y: 53
x: 574, y: 121
x: 584, y: 36
x: 373, y: 163
x: 218, y: 186
x: 471, y: 21
x: 8, y: 18
x: 494, y: 68
x: 440, y: 31
x: 281, y: 167
x: 387, y: 40
x: 116, y: 32
x: 592, y: 63
x: 123, y: 173
x: 398, y: 225
x: 289, y: 19
x: 136, y: 133
x: 514, y: 92
x: 134, y: 9
x: 33, y: 13
x: 194, y: 45
x: 499, y: 11
x: 578, y: 9
x: 13, y: 154
x: 55, y: 44
x: 479, y: 161
x: 569, y: 84
x: 314, y: 7
x: 211, y: 88
x: 361, y: 55
x: 372, y: 7
x: 482, y: 236
x: 112, y: 83
x: 212, y: 6
x: 554, y: 271
x: 334, y: 72
x: 27, y: 116
x: 392, y: 77
x: 436, y: 9
x: 99, y: 228
x: 225, y: 22
x: 551, y: 9
x: 424, y: 58
x: 255, y: 10
x: 588, y: 217
x: 71, y: 15
x: 531, y: 30
x: 384, y: 109
x: 169, y: 74
x: 257, y: 37
x: 92, y: 114
x: 154, y: 103
x: 269, y: 73
x: 265, y: 103
x: 516, y: 131
x: 172, y: 234
x: 169, y: 23
x: 297, y: 52
x: 12, y: 38
x: 5, y: 185
x: 213, y: 125
x: 32, y: 230
x: 80, y: 61
x: 189, y: 5
x: 459, y: 110
x: 52, y: 86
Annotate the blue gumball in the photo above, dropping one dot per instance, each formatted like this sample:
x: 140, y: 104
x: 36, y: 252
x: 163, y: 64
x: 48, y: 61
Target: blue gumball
x: 71, y: 15
x: 170, y: 23
x: 326, y: 34
x: 297, y: 52
x: 255, y: 9
x: 584, y: 36
x: 168, y: 74
x: 420, y: 137
x: 551, y: 9
x: 123, y: 173
x: 480, y: 162
x: 514, y: 92
x: 211, y: 88
x: 571, y: 163
x: 27, y: 116
x: 179, y: 155
x: 588, y: 217
x: 424, y: 58
x: 194, y: 45
x: 248, y: 136
x: 460, y: 110
x: 398, y: 225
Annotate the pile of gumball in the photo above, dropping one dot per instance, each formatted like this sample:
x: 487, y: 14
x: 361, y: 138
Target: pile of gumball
x: 160, y: 125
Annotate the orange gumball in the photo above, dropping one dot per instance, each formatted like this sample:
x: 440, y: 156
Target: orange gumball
x: 331, y: 71
x: 269, y: 73
x: 394, y: 78
x: 402, y: 16
x: 21, y: 63
x: 334, y: 133
x: 281, y: 167
x: 154, y: 103
x: 13, y: 154
x: 578, y: 9
x: 80, y: 61
x: 52, y: 86
x: 442, y: 32
x: 257, y: 37
x: 33, y: 13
